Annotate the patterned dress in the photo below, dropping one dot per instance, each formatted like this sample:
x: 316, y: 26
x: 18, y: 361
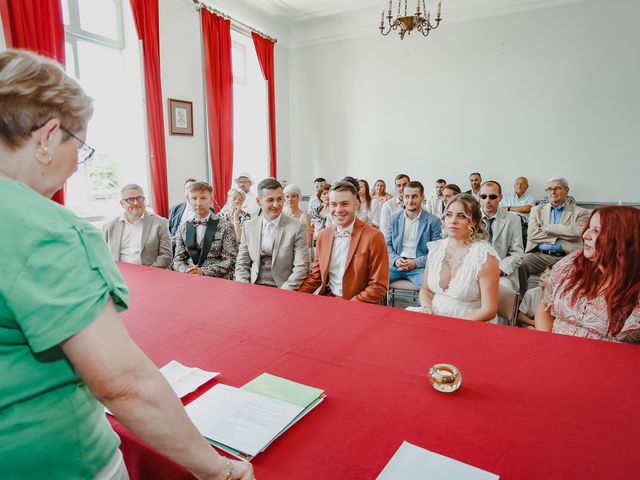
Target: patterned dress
x: 588, y: 318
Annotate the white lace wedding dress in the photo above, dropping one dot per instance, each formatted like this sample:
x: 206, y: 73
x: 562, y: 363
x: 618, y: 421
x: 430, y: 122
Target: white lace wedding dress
x: 462, y: 296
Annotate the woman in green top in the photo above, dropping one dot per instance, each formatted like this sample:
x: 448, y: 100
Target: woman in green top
x: 62, y: 343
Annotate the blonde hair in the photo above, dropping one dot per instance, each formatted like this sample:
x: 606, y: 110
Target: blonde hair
x: 471, y: 209
x: 33, y: 90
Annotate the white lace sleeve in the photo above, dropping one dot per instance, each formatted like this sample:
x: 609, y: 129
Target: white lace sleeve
x: 482, y: 250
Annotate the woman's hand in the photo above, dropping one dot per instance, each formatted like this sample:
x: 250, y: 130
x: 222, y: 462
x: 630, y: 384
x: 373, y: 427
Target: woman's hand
x: 426, y: 309
x: 234, y: 470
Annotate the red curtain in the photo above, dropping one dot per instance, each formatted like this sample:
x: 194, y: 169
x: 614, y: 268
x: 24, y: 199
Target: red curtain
x: 145, y: 14
x: 216, y: 33
x: 35, y: 25
x: 264, y: 49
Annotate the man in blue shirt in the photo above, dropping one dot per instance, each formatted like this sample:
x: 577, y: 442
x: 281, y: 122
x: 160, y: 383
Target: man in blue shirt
x: 555, y: 230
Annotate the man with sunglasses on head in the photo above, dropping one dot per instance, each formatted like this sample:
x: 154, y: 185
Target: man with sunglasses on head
x: 138, y: 236
x: 555, y: 230
x: 505, y: 233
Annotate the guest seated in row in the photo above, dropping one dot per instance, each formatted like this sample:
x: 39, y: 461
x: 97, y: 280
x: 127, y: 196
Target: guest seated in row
x: 595, y: 292
x: 369, y: 209
x: 409, y: 232
x: 380, y: 193
x: 351, y: 259
x: 314, y: 200
x: 530, y: 301
x: 273, y: 250
x: 320, y: 217
x: 461, y: 277
x: 555, y: 230
x: 505, y: 233
x: 138, y: 236
x: 520, y: 202
x: 181, y: 212
x: 244, y: 182
x: 395, y: 203
x: 207, y: 244
x: 292, y: 195
x: 435, y: 202
x: 475, y: 180
x: 449, y: 191
x: 233, y: 211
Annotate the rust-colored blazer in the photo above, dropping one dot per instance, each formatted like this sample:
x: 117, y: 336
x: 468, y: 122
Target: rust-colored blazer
x: 366, y: 273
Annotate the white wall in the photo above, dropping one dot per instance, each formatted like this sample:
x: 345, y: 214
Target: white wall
x: 182, y: 78
x: 3, y: 44
x: 541, y: 93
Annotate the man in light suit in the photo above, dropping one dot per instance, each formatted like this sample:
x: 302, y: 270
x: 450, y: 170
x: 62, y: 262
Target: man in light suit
x: 407, y: 236
x: 435, y: 203
x: 505, y: 233
x: 138, y: 236
x: 273, y: 250
x: 351, y: 258
x: 555, y: 230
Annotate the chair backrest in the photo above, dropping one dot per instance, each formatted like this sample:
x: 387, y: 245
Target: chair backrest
x: 508, y: 302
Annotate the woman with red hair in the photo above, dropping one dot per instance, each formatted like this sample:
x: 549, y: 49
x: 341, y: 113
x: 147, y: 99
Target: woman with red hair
x: 595, y: 292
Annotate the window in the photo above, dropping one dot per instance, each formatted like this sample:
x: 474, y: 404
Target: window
x: 250, y: 114
x: 103, y: 54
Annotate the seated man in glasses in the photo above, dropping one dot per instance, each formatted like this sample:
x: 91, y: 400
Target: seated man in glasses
x: 207, y: 244
x: 505, y: 233
x: 138, y: 236
x: 555, y: 230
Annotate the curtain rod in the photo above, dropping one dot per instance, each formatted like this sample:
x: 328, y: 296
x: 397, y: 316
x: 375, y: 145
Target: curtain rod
x: 199, y: 5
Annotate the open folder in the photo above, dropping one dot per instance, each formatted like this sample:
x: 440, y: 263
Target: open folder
x: 245, y: 421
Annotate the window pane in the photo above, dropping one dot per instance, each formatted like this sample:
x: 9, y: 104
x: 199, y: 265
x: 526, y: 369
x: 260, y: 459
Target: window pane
x: 100, y: 17
x: 70, y: 59
x: 65, y: 12
x: 239, y: 62
x: 250, y: 118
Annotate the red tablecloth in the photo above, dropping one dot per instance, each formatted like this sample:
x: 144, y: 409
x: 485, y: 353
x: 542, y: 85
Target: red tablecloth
x: 532, y: 405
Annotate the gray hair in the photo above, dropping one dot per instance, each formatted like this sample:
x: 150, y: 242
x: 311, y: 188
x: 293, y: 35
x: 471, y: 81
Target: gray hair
x: 232, y: 191
x: 292, y: 188
x: 562, y: 180
x: 130, y: 186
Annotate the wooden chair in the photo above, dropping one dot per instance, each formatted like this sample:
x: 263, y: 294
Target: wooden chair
x: 508, y: 303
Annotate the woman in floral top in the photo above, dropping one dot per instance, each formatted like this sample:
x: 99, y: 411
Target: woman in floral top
x: 232, y: 211
x: 594, y: 293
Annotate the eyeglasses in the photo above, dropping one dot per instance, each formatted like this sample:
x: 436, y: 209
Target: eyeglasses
x: 554, y: 189
x: 132, y: 200
x: 85, y: 152
x: 492, y: 196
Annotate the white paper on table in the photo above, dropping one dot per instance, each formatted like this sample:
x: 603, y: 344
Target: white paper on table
x: 184, y: 379
x: 242, y: 420
x: 411, y: 461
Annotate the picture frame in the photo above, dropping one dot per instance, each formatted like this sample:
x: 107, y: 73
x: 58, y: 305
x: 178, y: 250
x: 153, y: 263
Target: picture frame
x: 180, y: 117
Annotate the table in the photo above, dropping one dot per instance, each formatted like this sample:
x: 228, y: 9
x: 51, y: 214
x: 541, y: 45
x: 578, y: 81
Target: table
x: 532, y: 405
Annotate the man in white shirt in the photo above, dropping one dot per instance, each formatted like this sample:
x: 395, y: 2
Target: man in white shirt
x: 505, y: 233
x: 475, y: 180
x: 520, y: 202
x: 351, y: 259
x: 409, y: 232
x: 250, y: 205
x: 314, y: 201
x: 137, y: 236
x: 394, y: 204
x: 435, y: 202
x: 273, y: 250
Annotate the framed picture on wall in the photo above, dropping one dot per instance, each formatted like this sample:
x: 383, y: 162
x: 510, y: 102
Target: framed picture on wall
x: 180, y: 117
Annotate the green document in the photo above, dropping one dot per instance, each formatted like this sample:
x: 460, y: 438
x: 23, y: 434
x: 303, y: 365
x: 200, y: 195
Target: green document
x: 285, y: 390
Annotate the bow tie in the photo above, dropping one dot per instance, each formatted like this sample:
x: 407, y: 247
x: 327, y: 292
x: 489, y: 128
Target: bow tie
x: 199, y: 222
x: 342, y: 234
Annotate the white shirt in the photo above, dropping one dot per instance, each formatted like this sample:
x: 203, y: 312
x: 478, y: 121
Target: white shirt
x: 187, y: 214
x: 250, y: 205
x: 131, y: 241
x: 388, y: 208
x: 200, y: 229
x: 410, y: 237
x: 339, y: 258
x: 512, y: 200
x: 269, y: 228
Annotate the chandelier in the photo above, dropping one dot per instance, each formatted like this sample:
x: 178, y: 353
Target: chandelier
x: 408, y: 22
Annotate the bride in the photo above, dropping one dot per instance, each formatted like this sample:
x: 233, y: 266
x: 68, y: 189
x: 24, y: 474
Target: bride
x: 462, y: 273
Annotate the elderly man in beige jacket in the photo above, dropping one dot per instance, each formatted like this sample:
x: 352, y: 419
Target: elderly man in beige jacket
x: 138, y: 236
x: 273, y: 250
x: 555, y: 230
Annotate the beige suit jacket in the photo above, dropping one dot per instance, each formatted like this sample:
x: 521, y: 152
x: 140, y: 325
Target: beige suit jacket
x: 507, y: 240
x: 290, y: 259
x: 156, y: 241
x: 568, y: 231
